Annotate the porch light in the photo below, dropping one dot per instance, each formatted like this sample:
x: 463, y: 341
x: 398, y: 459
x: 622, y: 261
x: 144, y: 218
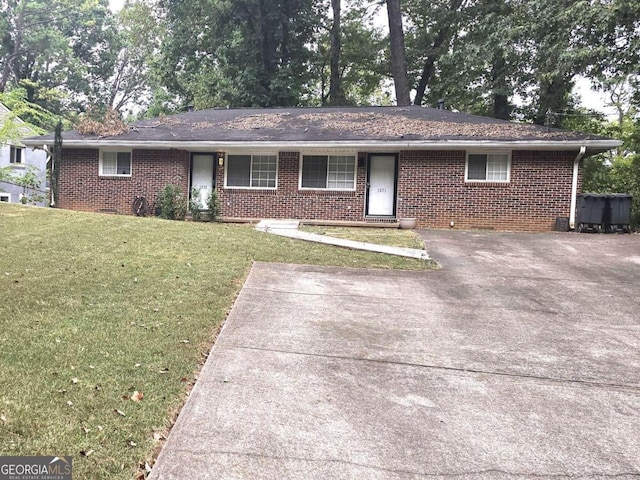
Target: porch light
x: 221, y: 158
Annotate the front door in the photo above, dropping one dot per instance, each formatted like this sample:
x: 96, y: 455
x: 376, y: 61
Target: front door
x: 202, y: 173
x: 381, y: 195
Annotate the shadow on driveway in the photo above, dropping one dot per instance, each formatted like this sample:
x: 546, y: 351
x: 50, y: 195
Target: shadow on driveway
x: 520, y: 357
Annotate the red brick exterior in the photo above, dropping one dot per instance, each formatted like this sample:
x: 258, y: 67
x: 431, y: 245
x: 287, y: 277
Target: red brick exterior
x: 431, y: 187
x: 81, y: 187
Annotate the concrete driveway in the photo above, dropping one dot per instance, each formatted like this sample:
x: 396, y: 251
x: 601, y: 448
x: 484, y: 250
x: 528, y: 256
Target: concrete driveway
x: 519, y: 358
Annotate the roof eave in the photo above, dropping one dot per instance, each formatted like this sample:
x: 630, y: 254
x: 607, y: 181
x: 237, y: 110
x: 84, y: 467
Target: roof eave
x: 599, y: 145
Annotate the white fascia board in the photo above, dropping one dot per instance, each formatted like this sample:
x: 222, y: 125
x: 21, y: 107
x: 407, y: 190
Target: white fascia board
x: 360, y: 145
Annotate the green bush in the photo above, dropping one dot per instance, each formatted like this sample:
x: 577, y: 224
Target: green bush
x: 196, y: 208
x: 171, y: 204
x: 213, y: 207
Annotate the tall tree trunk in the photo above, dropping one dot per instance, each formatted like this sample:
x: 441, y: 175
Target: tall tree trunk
x: 444, y: 35
x: 501, y: 108
x: 398, y: 53
x: 335, y: 87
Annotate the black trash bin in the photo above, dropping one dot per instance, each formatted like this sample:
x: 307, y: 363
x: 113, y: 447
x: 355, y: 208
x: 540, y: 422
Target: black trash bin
x: 591, y: 212
x: 618, y: 214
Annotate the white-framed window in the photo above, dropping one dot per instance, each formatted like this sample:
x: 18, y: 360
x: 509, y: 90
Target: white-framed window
x: 16, y: 155
x: 5, y: 197
x: 488, y: 167
x: 115, y: 163
x: 329, y: 172
x: 251, y: 171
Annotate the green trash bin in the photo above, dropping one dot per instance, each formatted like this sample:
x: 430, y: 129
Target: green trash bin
x: 591, y: 212
x: 618, y: 213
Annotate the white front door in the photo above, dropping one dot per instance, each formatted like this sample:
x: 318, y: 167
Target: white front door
x: 382, y: 185
x: 202, y: 168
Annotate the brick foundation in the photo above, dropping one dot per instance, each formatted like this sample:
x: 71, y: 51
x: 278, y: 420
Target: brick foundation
x: 431, y: 187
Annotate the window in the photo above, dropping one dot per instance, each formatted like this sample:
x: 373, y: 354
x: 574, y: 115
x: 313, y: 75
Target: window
x: 5, y: 197
x: 488, y: 167
x: 333, y: 172
x: 251, y: 171
x: 115, y: 164
x: 16, y: 155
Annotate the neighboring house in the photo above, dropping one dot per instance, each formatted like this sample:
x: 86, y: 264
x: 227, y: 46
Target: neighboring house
x: 18, y: 158
x: 361, y: 164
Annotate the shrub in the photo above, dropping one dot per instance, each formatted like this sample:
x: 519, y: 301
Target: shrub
x: 171, y: 204
x: 214, y: 208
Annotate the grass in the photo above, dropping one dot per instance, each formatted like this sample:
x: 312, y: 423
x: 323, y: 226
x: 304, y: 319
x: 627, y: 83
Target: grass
x: 95, y: 307
x: 380, y: 236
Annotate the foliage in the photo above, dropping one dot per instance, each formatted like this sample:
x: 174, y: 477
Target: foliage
x: 29, y: 180
x: 364, y: 64
x: 37, y: 119
x: 171, y: 204
x: 214, y: 208
x: 245, y: 52
x: 209, y: 212
x: 103, y: 125
x: 57, y: 50
x: 196, y: 207
x: 620, y: 172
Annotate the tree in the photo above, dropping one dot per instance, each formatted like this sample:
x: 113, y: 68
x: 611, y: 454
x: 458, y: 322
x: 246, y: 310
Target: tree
x: 433, y: 25
x: 55, y: 50
x: 240, y: 53
x: 398, y: 53
x: 363, y: 65
x: 335, y: 88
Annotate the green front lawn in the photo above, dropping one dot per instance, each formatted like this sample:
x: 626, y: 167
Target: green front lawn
x: 96, y: 307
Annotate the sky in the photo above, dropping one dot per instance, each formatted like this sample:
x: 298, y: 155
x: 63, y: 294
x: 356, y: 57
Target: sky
x: 590, y: 99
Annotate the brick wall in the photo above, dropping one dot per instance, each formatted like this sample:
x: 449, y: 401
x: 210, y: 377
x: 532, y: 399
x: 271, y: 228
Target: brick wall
x: 431, y: 187
x: 81, y: 187
x: 289, y: 202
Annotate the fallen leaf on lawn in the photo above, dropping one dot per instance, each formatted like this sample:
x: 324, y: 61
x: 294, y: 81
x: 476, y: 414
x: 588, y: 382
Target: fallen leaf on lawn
x: 147, y: 467
x: 132, y: 443
x: 157, y: 436
x: 62, y: 390
x: 74, y: 380
x: 3, y: 418
x: 91, y: 367
x: 164, y: 370
x: 185, y: 341
x: 70, y: 403
x: 99, y: 427
x: 184, y: 379
x: 85, y: 430
x: 87, y: 452
x: 125, y: 397
x: 119, y: 412
x: 138, y: 365
x: 137, y: 396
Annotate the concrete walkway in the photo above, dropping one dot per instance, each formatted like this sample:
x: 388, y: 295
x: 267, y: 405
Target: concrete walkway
x: 520, y: 358
x: 289, y: 228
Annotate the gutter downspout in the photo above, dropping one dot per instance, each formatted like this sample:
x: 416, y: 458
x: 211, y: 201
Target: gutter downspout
x: 574, y: 187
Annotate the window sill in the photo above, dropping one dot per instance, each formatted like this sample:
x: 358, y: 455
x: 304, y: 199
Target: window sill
x: 18, y: 166
x: 487, y: 183
x: 326, y: 192
x: 113, y: 176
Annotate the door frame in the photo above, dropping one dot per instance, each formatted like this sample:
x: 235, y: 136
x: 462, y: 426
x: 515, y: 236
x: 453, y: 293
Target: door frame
x: 395, y: 184
x: 215, y: 169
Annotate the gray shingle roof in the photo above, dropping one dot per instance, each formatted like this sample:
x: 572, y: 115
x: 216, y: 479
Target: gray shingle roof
x: 338, y: 124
